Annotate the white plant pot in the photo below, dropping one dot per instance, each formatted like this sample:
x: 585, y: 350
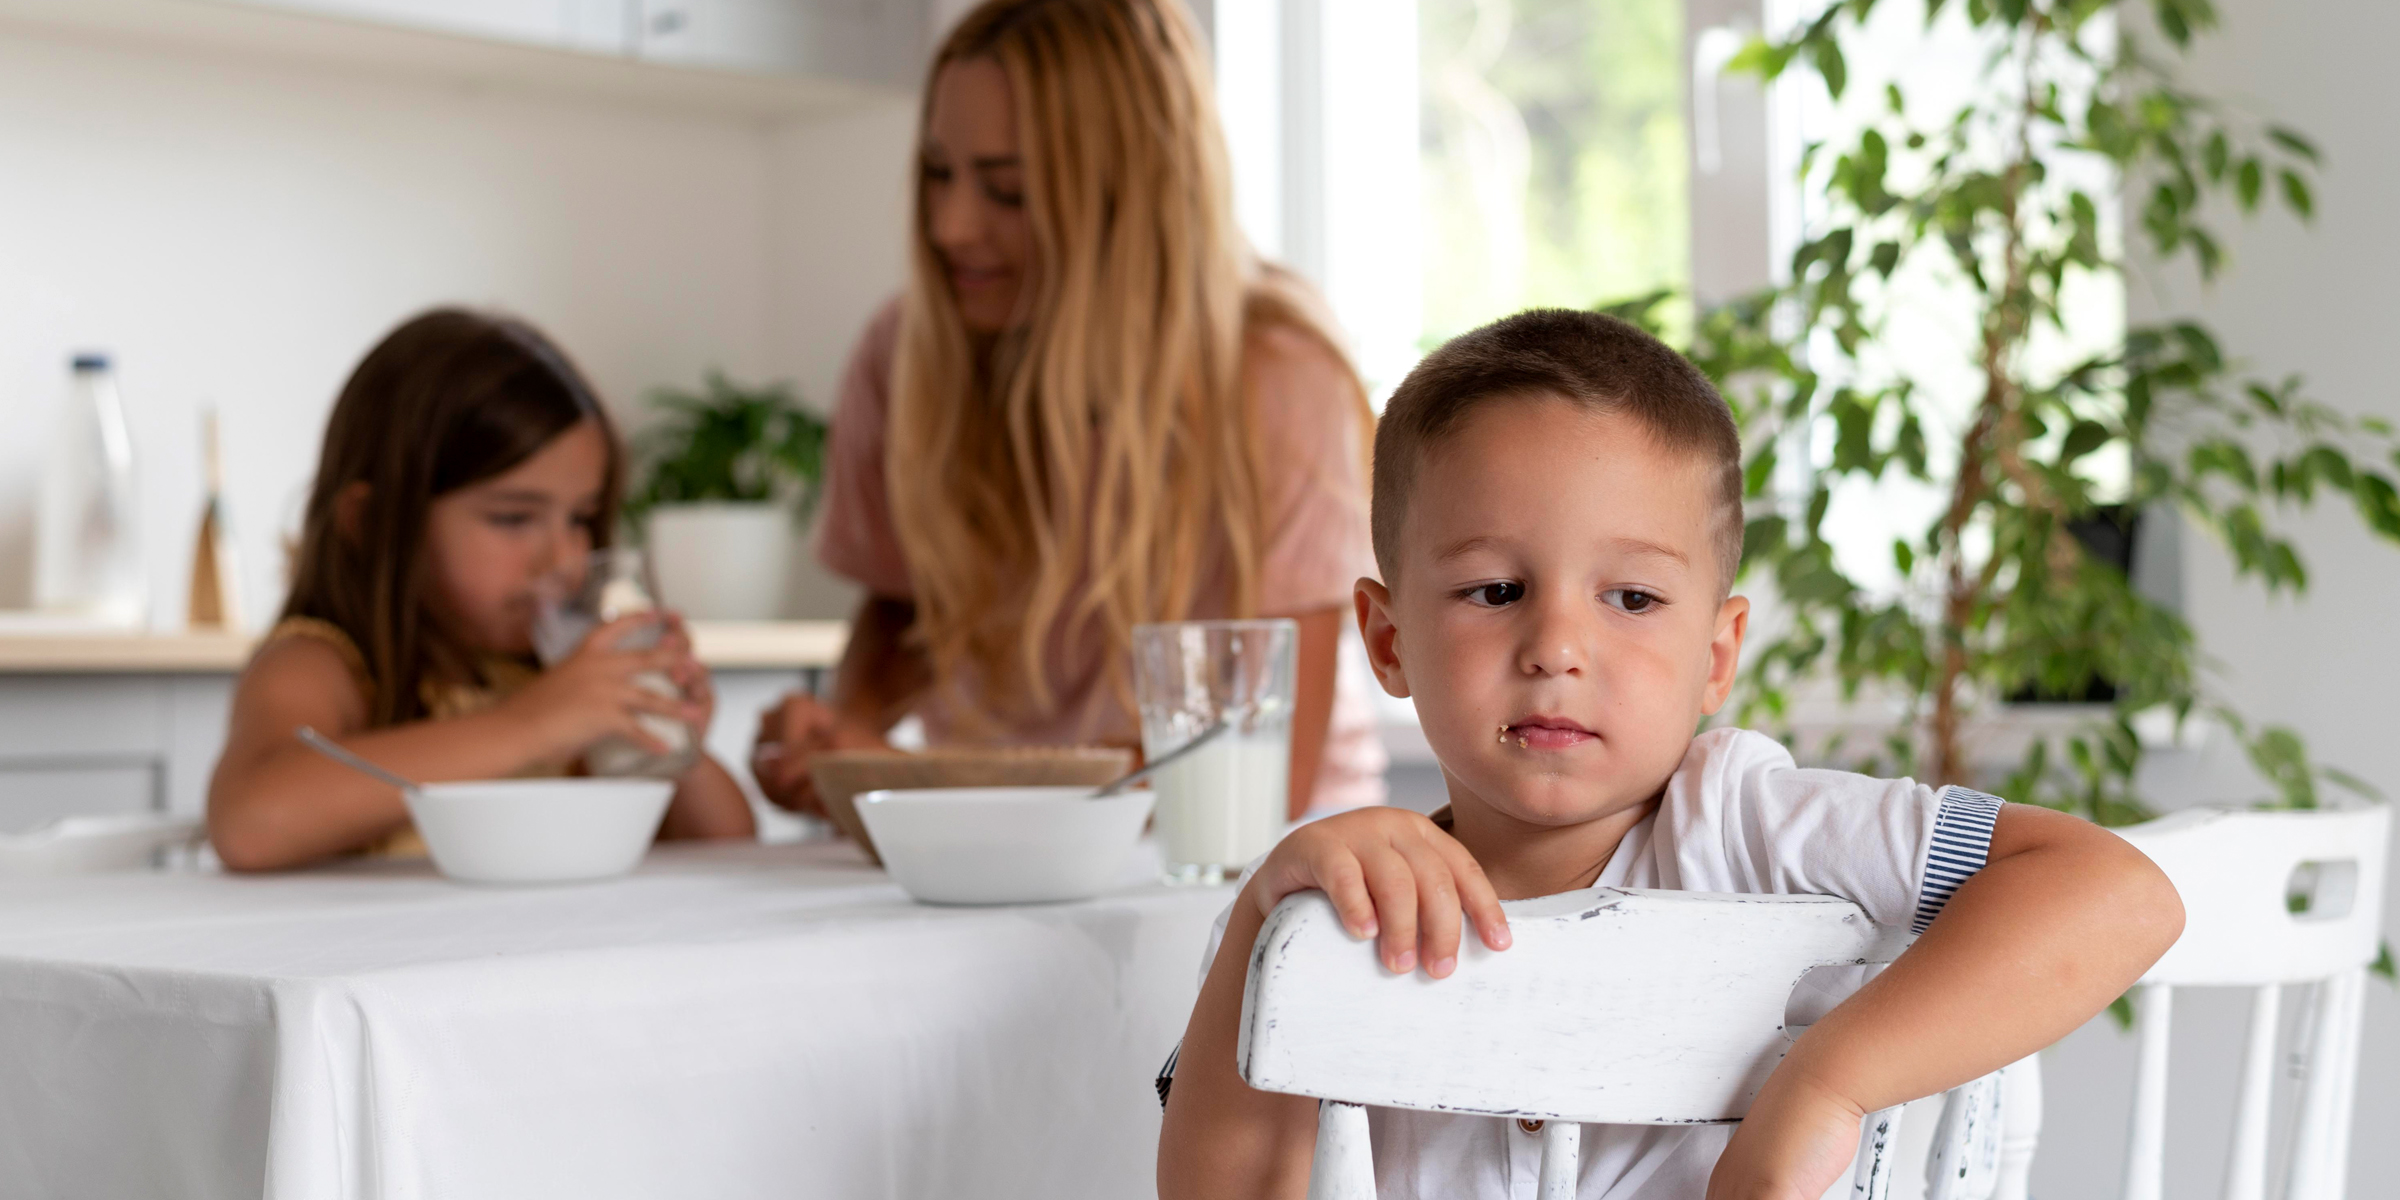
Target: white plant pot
x: 723, y: 561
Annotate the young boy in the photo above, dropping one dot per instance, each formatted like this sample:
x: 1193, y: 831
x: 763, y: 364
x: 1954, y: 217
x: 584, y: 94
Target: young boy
x: 1558, y: 520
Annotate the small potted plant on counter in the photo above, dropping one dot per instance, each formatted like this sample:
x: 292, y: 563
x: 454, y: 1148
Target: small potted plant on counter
x: 724, y: 480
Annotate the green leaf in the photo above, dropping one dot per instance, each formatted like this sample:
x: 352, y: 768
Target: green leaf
x: 2216, y: 155
x: 2282, y: 759
x: 1759, y: 57
x: 1904, y: 557
x: 2293, y: 142
x: 2248, y: 182
x: 1892, y: 99
x: 2378, y: 503
x: 2326, y: 463
x: 1760, y: 469
x: 2172, y: 23
x: 1826, y: 54
x: 1762, y: 538
x: 2296, y: 194
x: 1885, y: 257
x: 2083, y: 438
x: 2383, y: 964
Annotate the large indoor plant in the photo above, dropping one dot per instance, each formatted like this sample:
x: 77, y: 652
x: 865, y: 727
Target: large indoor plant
x: 2006, y: 200
x: 724, y: 478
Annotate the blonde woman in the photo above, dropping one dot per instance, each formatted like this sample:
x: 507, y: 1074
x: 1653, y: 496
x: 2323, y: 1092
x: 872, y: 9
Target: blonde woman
x: 1092, y: 407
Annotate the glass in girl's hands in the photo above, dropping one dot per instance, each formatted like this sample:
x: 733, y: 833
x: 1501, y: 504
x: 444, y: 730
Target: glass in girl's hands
x: 611, y: 584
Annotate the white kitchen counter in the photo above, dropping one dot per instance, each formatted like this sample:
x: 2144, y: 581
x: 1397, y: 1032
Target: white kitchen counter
x: 722, y: 645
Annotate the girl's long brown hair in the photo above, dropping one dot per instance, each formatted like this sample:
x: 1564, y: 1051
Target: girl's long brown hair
x: 450, y: 398
x: 1107, y: 438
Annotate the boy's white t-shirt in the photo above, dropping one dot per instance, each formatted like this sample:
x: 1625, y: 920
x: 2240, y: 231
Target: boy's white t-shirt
x: 1737, y: 816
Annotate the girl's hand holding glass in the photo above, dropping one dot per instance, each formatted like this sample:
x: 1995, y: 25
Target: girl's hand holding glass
x: 597, y: 693
x: 612, y: 586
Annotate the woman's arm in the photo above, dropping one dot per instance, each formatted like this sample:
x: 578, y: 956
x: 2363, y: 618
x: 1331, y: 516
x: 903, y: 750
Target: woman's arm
x: 881, y: 675
x: 2062, y: 919
x: 879, y: 678
x: 1312, y: 701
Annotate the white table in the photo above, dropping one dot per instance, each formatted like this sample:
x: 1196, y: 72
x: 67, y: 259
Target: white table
x: 728, y: 1022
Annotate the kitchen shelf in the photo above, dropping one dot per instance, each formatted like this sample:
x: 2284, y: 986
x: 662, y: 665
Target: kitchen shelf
x: 259, y: 33
x: 721, y: 645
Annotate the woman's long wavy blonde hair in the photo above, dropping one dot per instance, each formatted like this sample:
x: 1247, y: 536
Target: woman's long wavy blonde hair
x: 1107, y: 438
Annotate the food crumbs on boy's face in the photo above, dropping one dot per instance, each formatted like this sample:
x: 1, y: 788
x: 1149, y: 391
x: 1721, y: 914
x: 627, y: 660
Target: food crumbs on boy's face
x: 1502, y: 739
x: 1521, y: 744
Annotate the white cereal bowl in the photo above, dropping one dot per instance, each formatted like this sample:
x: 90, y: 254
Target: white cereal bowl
x: 1004, y: 845
x: 539, y: 830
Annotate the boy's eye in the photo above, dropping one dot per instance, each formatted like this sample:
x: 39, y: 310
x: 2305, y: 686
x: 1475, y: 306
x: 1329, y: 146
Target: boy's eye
x: 509, y: 520
x: 1496, y: 595
x: 1004, y: 197
x: 1632, y: 600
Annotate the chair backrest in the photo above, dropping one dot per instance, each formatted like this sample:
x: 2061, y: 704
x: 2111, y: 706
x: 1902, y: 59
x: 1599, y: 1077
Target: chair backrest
x: 2271, y: 898
x: 1612, y: 1006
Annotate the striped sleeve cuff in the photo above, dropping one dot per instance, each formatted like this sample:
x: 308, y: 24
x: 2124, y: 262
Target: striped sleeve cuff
x: 1962, y: 841
x: 1166, y: 1074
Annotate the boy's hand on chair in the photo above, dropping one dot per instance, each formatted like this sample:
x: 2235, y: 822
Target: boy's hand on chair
x: 1795, y: 1144
x: 1392, y: 875
x: 595, y: 694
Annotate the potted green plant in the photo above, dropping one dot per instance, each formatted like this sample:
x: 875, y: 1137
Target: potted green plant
x: 724, y: 479
x: 2000, y: 593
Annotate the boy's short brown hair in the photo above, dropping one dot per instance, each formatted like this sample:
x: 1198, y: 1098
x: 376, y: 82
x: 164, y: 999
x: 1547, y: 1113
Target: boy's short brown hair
x: 1585, y: 358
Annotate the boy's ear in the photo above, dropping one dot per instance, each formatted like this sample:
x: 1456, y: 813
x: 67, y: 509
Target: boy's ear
x: 1725, y: 652
x: 350, y: 508
x: 1382, y: 637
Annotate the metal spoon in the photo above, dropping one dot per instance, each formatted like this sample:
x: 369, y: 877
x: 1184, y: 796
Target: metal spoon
x: 1121, y: 782
x: 330, y: 749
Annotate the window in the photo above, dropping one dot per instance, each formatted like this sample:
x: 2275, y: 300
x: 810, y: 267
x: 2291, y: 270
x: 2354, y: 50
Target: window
x: 1554, y: 156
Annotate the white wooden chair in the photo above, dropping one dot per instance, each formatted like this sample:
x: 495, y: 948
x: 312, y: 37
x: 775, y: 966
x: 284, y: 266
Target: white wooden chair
x: 2235, y: 870
x: 1612, y: 1006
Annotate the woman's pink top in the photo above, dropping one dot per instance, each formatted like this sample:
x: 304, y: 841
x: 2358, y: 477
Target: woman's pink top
x: 1317, y: 547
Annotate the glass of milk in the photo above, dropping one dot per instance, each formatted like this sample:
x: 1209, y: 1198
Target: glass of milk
x: 616, y: 582
x: 1223, y: 804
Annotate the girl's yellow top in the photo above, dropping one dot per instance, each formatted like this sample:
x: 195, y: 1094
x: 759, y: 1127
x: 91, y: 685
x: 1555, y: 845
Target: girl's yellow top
x: 442, y: 699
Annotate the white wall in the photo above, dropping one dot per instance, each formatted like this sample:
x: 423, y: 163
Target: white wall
x: 838, y: 197
x: 2319, y: 302
x: 240, y: 232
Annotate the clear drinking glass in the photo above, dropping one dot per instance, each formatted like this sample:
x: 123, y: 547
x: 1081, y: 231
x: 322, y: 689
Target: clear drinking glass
x: 616, y: 582
x: 1223, y: 805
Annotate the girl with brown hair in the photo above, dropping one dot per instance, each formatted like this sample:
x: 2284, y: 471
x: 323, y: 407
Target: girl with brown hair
x: 1092, y: 407
x: 465, y: 464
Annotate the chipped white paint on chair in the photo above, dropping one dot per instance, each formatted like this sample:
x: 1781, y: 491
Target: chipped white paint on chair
x: 1613, y: 1006
x: 2233, y: 869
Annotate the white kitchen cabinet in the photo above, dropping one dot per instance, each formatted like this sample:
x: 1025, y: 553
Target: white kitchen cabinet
x: 772, y: 59
x: 88, y: 744
x: 866, y: 41
x: 862, y: 41
x: 560, y: 23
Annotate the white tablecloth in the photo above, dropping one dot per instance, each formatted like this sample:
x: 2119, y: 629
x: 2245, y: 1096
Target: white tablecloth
x: 729, y: 1022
